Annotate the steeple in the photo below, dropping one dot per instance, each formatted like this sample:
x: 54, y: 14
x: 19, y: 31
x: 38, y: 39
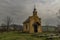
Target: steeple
x: 34, y: 11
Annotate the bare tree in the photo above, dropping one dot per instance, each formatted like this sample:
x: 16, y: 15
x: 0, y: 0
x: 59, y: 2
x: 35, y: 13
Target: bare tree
x: 8, y: 20
x: 58, y: 16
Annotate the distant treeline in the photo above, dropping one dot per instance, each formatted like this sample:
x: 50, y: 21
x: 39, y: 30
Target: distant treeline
x: 15, y: 27
x: 12, y: 27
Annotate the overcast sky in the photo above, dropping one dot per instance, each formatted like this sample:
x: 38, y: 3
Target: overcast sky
x: 20, y: 10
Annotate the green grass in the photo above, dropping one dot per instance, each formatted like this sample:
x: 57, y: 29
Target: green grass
x: 18, y: 36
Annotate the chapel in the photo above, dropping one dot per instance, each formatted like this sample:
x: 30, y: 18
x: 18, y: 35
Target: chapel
x: 33, y: 23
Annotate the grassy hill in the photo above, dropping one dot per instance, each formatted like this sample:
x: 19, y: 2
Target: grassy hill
x: 18, y: 36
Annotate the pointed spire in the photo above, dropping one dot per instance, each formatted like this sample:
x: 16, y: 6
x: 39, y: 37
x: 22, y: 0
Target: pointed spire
x: 34, y: 11
x: 34, y: 7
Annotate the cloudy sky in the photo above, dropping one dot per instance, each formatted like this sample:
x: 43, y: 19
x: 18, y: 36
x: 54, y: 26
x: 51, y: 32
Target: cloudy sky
x: 20, y: 10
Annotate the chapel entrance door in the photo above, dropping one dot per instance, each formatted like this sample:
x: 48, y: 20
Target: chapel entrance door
x: 35, y: 27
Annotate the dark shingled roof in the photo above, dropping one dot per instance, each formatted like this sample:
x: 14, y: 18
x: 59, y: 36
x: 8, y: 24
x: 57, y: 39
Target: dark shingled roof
x: 27, y: 20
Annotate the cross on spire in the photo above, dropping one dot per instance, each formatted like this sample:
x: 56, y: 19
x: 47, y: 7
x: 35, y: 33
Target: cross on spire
x: 34, y: 7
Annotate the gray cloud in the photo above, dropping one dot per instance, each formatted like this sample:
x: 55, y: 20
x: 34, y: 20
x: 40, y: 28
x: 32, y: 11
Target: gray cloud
x: 22, y: 9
